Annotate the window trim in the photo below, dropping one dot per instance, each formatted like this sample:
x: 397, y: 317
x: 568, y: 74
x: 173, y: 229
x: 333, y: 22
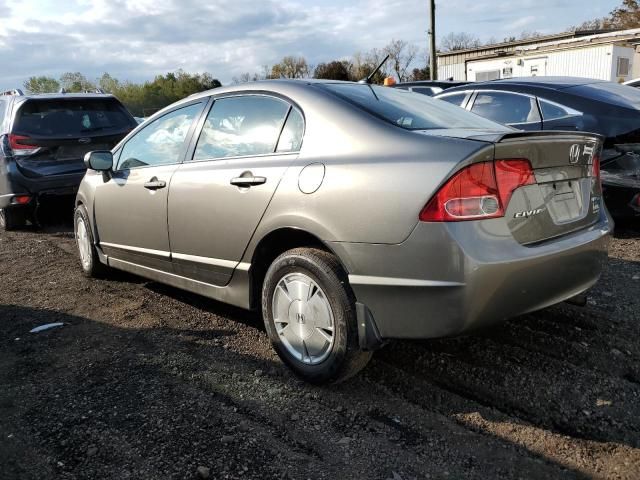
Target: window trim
x: 244, y: 93
x: 118, y: 150
x: 472, y: 102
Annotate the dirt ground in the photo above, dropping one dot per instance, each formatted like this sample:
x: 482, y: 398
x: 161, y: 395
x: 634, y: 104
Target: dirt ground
x: 148, y: 382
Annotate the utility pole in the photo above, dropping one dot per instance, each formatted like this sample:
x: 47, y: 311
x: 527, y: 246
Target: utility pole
x: 433, y: 67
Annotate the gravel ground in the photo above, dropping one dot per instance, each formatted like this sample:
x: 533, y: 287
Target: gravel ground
x: 148, y: 382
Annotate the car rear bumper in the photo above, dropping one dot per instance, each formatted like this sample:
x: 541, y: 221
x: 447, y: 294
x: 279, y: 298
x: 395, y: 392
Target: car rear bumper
x: 446, y: 279
x: 13, y: 184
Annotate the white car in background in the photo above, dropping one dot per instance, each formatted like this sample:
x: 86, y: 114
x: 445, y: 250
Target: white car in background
x: 633, y: 83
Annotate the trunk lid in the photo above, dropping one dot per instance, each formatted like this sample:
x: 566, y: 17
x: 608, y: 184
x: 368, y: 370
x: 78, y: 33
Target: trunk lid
x: 62, y: 156
x: 566, y: 196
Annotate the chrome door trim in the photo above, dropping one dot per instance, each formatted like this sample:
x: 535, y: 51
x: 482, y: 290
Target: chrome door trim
x: 146, y: 251
x: 399, y: 282
x: 217, y: 262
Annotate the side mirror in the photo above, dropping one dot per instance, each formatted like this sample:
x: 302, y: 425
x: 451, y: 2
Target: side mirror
x: 100, y: 160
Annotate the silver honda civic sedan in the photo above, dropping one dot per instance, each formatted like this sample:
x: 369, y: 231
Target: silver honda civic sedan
x: 348, y: 213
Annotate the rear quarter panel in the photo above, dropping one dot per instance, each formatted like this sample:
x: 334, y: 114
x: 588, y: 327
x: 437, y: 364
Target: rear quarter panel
x: 377, y: 177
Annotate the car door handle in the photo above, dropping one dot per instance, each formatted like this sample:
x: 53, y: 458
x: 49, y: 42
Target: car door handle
x: 155, y: 184
x: 248, y: 181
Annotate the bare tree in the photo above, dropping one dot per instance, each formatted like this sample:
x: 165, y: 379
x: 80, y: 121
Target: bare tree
x: 626, y: 15
x: 459, y: 41
x: 526, y: 35
x: 401, y: 55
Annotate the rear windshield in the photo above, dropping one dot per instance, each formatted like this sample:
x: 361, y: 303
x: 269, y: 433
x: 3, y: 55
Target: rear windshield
x: 409, y: 110
x: 77, y: 117
x: 609, y: 92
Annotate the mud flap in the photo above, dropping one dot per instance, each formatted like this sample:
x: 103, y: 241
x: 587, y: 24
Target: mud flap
x: 368, y: 335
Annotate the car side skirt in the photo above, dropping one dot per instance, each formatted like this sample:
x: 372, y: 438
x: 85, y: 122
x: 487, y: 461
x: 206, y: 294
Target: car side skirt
x: 235, y: 293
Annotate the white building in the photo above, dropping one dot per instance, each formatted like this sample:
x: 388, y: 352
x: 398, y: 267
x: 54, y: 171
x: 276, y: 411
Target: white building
x: 613, y: 56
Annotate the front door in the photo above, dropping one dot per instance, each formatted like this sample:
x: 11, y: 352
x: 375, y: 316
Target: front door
x: 218, y: 196
x: 131, y: 205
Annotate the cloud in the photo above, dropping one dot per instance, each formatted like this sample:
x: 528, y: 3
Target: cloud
x: 138, y: 39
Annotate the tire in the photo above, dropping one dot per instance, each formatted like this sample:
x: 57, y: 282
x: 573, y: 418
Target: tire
x: 89, y: 260
x: 11, y: 219
x: 317, y: 337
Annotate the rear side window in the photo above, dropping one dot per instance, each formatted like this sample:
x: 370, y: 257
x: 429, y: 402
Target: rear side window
x: 506, y: 108
x: 241, y: 126
x: 72, y: 117
x: 291, y: 136
x: 554, y: 111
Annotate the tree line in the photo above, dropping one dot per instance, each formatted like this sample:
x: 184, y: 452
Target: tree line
x: 141, y: 99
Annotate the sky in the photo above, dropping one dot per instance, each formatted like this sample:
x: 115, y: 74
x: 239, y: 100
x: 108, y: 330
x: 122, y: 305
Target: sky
x: 138, y: 39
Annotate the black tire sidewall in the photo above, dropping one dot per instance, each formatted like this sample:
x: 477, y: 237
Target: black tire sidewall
x: 10, y: 219
x: 341, y: 306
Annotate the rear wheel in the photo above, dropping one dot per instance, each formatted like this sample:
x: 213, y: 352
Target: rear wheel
x: 89, y: 259
x: 309, y: 314
x: 11, y: 219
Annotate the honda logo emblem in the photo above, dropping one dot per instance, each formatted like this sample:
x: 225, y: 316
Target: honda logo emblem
x: 574, y: 153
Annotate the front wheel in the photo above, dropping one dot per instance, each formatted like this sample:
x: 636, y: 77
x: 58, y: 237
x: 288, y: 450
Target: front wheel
x: 309, y: 315
x: 89, y: 259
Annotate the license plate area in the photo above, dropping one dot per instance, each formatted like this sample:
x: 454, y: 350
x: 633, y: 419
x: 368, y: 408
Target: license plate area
x: 567, y: 200
x: 72, y: 152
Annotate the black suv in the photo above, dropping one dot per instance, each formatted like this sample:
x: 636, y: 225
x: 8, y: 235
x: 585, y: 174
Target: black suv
x: 43, y: 139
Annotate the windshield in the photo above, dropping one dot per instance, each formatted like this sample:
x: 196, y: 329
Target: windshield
x: 73, y: 117
x: 409, y: 110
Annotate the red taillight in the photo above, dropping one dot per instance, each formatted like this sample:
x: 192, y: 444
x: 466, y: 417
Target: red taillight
x: 511, y: 174
x: 479, y: 191
x: 19, y: 147
x: 21, y: 199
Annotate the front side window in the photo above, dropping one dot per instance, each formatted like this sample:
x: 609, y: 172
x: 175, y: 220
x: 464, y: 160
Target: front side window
x: 408, y: 110
x: 241, y: 126
x: 506, y: 108
x: 161, y: 142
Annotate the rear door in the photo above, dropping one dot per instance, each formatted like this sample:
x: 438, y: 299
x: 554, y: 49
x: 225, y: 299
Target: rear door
x: 515, y: 110
x: 51, y: 136
x: 219, y: 195
x: 131, y: 205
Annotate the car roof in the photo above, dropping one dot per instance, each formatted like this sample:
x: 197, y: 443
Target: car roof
x: 431, y: 83
x: 553, y: 83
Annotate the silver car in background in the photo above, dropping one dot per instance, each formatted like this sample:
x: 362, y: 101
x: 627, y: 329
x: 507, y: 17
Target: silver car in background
x: 349, y: 214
